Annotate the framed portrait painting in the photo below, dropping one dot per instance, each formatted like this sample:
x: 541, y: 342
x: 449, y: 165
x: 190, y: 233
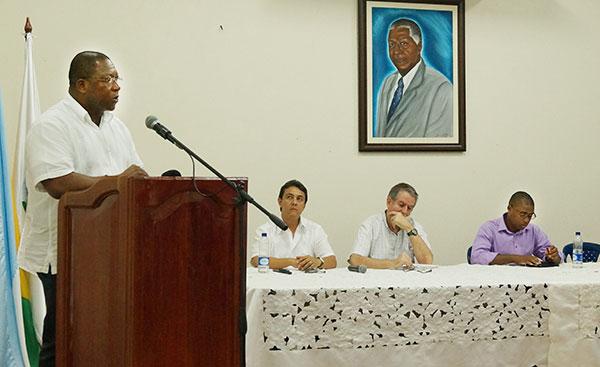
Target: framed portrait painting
x: 411, y: 75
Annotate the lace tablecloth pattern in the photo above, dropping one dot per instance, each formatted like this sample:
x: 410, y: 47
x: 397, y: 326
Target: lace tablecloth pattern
x: 300, y: 319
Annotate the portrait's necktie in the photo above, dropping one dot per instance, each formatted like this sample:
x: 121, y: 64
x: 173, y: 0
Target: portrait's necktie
x: 396, y: 99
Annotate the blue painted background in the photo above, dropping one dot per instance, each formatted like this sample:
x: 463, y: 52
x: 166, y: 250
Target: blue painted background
x: 436, y: 29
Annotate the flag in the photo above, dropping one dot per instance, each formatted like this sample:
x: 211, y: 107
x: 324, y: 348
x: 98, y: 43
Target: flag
x: 32, y: 293
x: 10, y: 292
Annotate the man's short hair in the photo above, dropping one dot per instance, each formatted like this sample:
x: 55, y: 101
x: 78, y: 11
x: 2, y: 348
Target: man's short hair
x: 83, y: 65
x: 403, y: 186
x: 294, y: 183
x: 413, y: 28
x: 521, y: 197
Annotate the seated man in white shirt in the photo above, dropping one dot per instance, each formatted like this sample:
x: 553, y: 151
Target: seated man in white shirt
x: 304, y: 244
x: 392, y: 239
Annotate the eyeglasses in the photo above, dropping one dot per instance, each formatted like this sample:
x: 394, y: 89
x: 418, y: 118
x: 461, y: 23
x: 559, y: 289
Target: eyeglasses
x: 401, y: 45
x: 110, y: 79
x: 525, y: 215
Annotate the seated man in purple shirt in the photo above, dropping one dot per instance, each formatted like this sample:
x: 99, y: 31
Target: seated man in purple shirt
x: 512, y: 239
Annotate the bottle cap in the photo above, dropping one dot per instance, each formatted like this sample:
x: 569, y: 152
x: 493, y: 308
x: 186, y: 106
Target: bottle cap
x: 577, y: 233
x: 263, y: 234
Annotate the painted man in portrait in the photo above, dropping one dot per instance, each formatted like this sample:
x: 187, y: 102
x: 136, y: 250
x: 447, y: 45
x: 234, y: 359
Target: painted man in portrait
x: 416, y: 100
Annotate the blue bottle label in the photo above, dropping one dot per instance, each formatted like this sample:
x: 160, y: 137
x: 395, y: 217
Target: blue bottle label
x: 263, y: 260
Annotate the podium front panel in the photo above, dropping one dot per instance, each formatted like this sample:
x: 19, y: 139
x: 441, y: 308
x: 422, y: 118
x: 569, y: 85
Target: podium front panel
x: 152, y: 272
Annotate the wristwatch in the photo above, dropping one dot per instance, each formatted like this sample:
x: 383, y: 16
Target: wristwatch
x: 412, y: 232
x: 322, y: 262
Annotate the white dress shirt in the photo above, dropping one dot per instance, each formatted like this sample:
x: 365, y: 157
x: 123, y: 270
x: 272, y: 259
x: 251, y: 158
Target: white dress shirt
x: 405, y: 80
x: 64, y: 140
x: 376, y: 240
x: 309, y: 239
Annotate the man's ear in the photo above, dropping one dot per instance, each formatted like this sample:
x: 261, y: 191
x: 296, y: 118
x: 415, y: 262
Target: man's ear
x: 81, y: 85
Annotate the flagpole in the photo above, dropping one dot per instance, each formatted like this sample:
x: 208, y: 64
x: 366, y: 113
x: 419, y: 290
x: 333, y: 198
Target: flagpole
x: 21, y: 281
x: 31, y: 300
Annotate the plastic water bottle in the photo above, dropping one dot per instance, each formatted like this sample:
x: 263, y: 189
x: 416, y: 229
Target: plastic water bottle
x: 263, y: 253
x: 577, y: 250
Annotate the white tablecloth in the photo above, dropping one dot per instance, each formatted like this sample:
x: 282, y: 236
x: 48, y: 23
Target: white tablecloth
x: 461, y: 315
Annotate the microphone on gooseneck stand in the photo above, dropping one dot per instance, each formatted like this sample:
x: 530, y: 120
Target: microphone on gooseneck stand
x: 357, y: 268
x: 153, y: 123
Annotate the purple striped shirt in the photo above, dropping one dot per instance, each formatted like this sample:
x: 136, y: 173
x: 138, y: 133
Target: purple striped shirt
x: 494, y: 238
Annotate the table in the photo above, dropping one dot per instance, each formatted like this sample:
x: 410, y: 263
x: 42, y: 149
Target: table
x: 459, y: 315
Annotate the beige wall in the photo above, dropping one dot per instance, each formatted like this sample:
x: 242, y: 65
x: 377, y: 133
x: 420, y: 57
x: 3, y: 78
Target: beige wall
x: 273, y: 96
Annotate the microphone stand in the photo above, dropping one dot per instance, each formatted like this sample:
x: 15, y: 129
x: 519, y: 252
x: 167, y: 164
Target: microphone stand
x: 243, y: 195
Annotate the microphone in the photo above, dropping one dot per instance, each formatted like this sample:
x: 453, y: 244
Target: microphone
x: 357, y: 268
x: 153, y: 123
x: 172, y: 173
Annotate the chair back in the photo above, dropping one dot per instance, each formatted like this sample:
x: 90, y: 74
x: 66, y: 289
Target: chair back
x: 469, y: 254
x: 590, y: 251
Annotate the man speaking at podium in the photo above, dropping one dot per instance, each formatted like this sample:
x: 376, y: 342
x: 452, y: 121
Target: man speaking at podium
x: 69, y: 148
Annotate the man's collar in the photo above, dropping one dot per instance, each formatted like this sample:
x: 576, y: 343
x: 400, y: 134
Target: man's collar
x: 410, y: 76
x: 300, y: 225
x: 504, y: 228
x: 82, y: 113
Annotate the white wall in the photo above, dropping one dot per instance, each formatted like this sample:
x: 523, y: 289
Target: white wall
x: 273, y: 96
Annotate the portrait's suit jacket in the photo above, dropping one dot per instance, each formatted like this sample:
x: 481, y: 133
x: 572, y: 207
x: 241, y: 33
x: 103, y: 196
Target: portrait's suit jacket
x: 425, y: 109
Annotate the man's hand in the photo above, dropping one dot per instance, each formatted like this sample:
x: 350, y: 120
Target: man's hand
x: 552, y: 254
x: 527, y: 260
x: 74, y: 181
x: 133, y: 171
x: 502, y: 259
x: 402, y: 222
x: 402, y: 260
x: 307, y: 262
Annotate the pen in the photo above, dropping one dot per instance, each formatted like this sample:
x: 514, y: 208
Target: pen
x: 283, y: 271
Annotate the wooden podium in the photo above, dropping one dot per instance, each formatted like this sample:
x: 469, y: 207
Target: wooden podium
x: 152, y: 272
